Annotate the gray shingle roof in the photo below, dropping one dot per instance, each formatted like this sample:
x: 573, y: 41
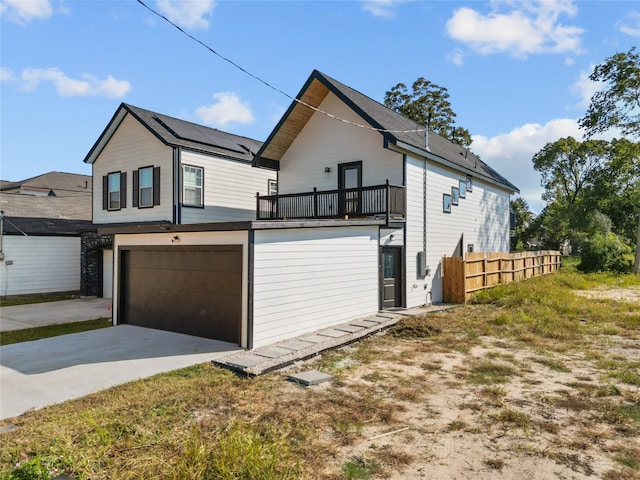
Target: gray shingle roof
x: 180, y: 133
x: 33, y: 206
x: 46, y: 226
x: 381, y: 117
x: 61, y: 183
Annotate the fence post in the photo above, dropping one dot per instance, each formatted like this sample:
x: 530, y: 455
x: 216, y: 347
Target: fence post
x: 315, y: 202
x: 388, y: 202
x: 257, y: 205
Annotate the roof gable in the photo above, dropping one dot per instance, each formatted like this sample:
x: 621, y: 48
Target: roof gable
x: 396, y: 129
x: 179, y: 133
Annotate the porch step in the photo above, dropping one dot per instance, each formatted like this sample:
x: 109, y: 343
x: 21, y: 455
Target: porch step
x: 265, y: 359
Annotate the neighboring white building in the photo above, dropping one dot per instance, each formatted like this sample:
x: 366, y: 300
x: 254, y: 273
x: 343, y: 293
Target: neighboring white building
x: 40, y: 248
x: 365, y: 210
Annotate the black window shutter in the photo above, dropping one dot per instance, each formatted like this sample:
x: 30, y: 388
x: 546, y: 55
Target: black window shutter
x: 136, y: 189
x: 123, y: 190
x: 156, y: 185
x: 105, y: 192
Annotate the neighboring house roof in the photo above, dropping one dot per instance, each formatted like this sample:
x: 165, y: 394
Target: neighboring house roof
x: 376, y: 116
x: 45, y: 226
x: 33, y: 206
x: 60, y: 184
x: 44, y: 215
x: 179, y: 133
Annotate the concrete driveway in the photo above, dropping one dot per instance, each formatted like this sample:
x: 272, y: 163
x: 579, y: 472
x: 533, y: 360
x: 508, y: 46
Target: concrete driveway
x: 52, y: 370
x: 32, y: 315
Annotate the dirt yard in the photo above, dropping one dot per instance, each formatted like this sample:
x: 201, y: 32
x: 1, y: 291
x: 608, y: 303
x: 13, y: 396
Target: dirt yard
x: 500, y: 409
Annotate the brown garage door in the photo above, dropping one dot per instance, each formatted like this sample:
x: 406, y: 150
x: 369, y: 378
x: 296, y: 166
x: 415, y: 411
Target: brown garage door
x: 192, y: 290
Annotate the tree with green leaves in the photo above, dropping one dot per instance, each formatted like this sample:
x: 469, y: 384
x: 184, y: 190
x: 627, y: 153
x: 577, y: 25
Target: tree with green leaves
x: 428, y: 103
x: 617, y: 105
x: 567, y: 167
x: 523, y: 217
x: 569, y: 170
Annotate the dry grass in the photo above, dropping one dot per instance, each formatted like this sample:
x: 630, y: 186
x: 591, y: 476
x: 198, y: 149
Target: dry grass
x: 531, y: 382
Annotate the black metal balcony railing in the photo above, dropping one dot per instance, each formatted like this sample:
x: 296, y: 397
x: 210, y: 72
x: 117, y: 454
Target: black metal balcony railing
x: 380, y: 200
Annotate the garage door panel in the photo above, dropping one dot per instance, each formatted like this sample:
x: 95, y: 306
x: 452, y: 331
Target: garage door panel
x: 221, y: 283
x: 197, y: 292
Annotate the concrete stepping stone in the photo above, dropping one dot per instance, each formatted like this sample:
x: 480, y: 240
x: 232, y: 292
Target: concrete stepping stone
x: 314, y: 338
x: 312, y: 377
x: 296, y: 345
x: 363, y: 323
x: 331, y: 332
x: 245, y: 361
x: 349, y: 328
x: 272, y: 352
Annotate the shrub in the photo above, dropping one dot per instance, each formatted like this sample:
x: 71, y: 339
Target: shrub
x: 605, y: 252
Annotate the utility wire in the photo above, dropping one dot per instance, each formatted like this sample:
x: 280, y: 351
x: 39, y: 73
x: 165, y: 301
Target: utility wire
x: 267, y: 84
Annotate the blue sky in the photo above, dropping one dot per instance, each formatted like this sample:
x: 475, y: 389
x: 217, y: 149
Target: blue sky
x: 516, y: 71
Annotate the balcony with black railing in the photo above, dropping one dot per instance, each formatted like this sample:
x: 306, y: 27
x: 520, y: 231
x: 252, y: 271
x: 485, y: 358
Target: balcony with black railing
x: 385, y: 201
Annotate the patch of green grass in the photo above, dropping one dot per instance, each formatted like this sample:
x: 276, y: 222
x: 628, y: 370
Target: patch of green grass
x: 36, y: 333
x: 513, y: 417
x: 630, y: 459
x: 552, y: 364
x: 414, y: 327
x: 628, y: 376
x: 624, y: 418
x: 359, y: 467
x: 35, y: 298
x: 457, y: 425
x: 486, y: 373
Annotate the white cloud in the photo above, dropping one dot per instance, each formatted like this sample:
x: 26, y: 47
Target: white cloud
x: 23, y: 11
x: 381, y: 8
x: 528, y: 28
x: 7, y: 75
x: 87, y: 85
x: 456, y: 56
x: 632, y: 25
x: 511, y: 154
x: 190, y: 14
x: 228, y: 108
x: 585, y: 88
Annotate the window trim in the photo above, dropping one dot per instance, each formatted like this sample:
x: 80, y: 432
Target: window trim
x: 446, y: 203
x: 155, y: 189
x: 201, y: 187
x: 140, y: 187
x: 109, y: 191
x: 272, y: 187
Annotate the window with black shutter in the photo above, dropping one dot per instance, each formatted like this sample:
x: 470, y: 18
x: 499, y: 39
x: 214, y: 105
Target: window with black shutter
x: 146, y: 187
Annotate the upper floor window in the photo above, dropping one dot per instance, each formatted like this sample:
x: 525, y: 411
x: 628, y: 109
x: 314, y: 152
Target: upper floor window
x: 114, y: 187
x: 273, y: 187
x: 192, y: 186
x: 114, y: 191
x: 146, y: 187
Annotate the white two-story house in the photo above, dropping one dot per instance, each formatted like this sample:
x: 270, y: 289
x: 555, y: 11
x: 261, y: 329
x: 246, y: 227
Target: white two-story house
x: 366, y: 207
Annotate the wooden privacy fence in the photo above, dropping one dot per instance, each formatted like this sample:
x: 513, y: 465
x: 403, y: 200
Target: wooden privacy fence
x: 477, y: 271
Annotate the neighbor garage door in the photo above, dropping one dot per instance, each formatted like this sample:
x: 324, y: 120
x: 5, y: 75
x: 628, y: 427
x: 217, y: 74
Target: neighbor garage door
x: 192, y: 290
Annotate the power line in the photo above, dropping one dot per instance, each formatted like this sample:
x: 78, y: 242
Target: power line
x: 267, y: 84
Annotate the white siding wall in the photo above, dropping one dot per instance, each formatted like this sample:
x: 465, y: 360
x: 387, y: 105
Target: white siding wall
x: 482, y: 218
x: 186, y: 238
x: 325, y: 142
x: 131, y: 147
x: 40, y: 265
x: 230, y: 189
x: 309, y: 279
